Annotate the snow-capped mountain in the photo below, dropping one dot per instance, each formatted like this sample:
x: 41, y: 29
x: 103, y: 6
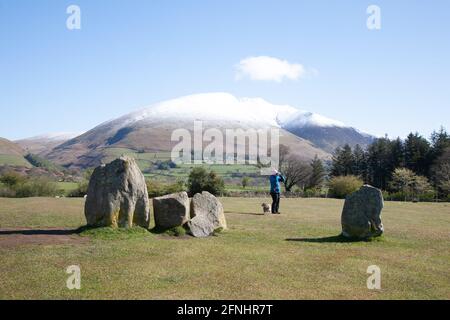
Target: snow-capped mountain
x: 44, y: 143
x: 150, y: 128
x: 224, y: 107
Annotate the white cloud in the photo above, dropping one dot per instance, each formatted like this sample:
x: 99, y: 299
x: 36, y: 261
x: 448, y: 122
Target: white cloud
x: 264, y: 68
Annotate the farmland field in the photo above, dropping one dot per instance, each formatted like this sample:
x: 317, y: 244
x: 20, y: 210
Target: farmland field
x: 13, y: 160
x: 295, y: 255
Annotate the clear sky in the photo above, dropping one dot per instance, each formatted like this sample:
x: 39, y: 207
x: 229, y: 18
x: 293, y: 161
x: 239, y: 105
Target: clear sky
x: 129, y: 54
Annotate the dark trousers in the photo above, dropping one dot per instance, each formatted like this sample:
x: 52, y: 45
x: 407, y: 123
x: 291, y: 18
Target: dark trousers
x: 275, y: 202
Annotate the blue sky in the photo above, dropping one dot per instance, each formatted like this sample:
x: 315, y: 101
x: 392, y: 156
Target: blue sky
x: 129, y: 54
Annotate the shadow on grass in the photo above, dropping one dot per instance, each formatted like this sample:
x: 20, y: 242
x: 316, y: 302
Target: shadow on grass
x: 47, y: 232
x: 332, y: 239
x: 247, y: 213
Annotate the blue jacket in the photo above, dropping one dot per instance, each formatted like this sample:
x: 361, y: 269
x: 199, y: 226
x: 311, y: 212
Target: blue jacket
x: 275, y: 180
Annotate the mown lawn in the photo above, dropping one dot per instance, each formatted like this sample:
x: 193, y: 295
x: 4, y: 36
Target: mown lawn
x: 295, y: 255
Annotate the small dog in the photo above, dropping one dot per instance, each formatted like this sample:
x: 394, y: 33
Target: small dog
x: 266, y: 208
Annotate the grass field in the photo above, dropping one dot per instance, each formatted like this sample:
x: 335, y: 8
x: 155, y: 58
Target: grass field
x: 295, y: 255
x: 66, y: 187
x: 14, y: 160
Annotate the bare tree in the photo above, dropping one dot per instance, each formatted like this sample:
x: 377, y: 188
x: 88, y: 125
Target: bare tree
x: 283, y: 155
x: 296, y: 172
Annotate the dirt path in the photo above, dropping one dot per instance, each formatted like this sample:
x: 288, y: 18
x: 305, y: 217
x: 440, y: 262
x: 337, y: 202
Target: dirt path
x: 14, y: 237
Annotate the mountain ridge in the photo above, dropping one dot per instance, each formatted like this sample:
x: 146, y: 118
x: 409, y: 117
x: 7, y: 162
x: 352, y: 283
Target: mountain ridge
x: 149, y: 129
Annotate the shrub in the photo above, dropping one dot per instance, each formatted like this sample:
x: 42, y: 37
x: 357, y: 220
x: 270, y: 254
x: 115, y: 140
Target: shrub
x: 39, y: 187
x: 201, y: 180
x: 429, y: 196
x: 12, y: 178
x: 178, y: 231
x: 6, y: 192
x: 80, y: 191
x: 165, y: 165
x: 245, y: 182
x: 342, y: 186
x: 157, y: 189
x: 412, y: 186
x: 15, y: 185
x: 312, y: 193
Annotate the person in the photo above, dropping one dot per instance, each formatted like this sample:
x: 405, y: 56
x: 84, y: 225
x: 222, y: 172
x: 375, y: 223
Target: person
x: 275, y: 190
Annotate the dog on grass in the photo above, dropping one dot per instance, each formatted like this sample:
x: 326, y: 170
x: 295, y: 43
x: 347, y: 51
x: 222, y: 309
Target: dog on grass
x: 266, y: 208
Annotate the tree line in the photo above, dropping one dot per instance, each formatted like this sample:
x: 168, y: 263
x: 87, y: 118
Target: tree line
x: 411, y: 168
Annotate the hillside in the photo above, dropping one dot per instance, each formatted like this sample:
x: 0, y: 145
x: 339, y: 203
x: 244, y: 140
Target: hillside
x: 12, y: 154
x: 149, y: 130
x: 43, y: 144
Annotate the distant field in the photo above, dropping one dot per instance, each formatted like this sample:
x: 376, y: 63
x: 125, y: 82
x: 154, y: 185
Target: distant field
x: 295, y: 255
x: 67, y: 186
x: 146, y: 160
x: 13, y: 160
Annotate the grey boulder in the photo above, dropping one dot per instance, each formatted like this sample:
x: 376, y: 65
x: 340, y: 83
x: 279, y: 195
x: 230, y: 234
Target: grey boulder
x: 117, y: 196
x: 361, y: 216
x: 171, y: 210
x: 206, y: 215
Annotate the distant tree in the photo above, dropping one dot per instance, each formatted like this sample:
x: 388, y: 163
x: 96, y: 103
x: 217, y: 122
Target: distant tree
x: 417, y: 154
x: 397, y: 153
x: 379, y: 162
x: 403, y: 181
x: 359, y: 162
x: 39, y: 162
x: 318, y: 174
x: 441, y: 173
x: 422, y: 187
x: 284, y: 152
x: 201, y: 180
x: 342, y: 186
x: 410, y: 184
x: 342, y: 162
x: 296, y: 172
x: 440, y: 141
x: 245, y: 182
x: 12, y: 178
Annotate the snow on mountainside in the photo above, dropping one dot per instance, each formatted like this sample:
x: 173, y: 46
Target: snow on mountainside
x: 150, y: 129
x: 222, y: 107
x: 55, y: 136
x: 42, y: 144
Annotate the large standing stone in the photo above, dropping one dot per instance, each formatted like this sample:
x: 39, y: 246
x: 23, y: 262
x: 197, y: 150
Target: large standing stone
x: 171, y: 210
x: 117, y: 196
x: 361, y: 213
x: 206, y: 215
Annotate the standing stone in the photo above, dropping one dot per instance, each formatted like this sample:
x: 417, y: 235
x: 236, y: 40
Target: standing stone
x: 206, y: 215
x: 117, y: 196
x: 361, y: 213
x: 171, y: 210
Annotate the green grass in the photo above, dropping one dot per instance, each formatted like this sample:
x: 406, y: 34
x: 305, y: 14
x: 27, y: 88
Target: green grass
x: 108, y: 233
x: 13, y: 160
x: 66, y: 187
x: 295, y: 255
x: 144, y: 160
